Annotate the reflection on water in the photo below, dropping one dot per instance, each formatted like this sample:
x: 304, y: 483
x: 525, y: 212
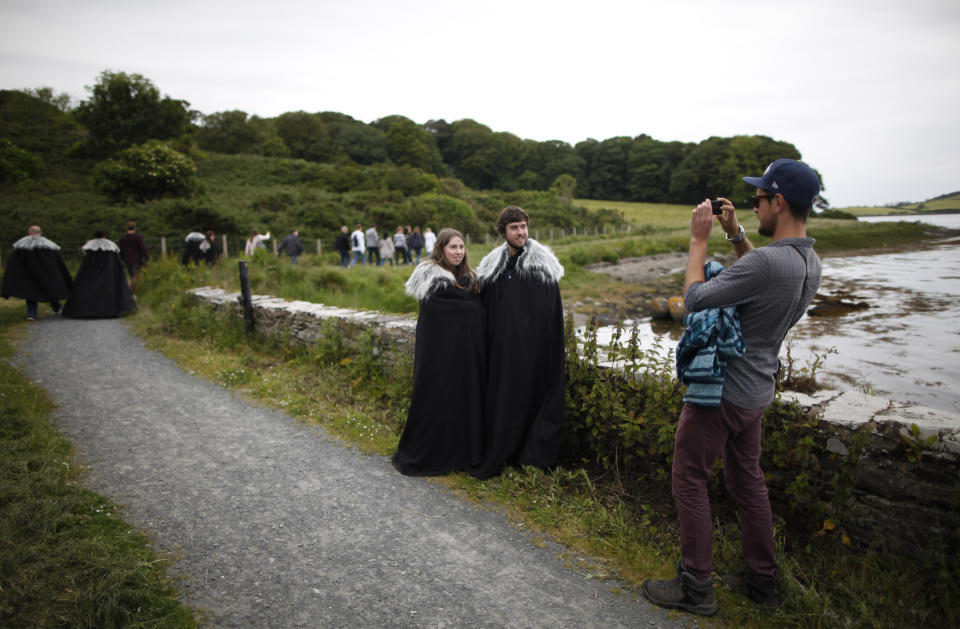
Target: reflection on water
x: 905, y: 346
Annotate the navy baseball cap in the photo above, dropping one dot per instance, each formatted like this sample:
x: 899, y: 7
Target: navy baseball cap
x: 794, y: 180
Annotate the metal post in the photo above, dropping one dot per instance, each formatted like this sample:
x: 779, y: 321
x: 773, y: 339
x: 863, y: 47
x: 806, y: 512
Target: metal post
x: 245, y: 299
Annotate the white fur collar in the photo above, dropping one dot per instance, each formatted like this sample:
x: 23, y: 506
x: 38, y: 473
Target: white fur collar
x: 536, y: 261
x: 35, y: 242
x: 100, y: 244
x: 194, y: 236
x: 428, y: 278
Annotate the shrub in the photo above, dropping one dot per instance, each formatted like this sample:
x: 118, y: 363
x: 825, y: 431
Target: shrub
x: 152, y: 170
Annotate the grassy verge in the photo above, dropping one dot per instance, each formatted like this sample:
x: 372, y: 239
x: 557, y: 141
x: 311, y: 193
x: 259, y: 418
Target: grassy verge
x: 66, y: 558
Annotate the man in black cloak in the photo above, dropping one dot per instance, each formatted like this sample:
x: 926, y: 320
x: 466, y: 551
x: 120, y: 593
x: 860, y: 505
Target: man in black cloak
x: 100, y: 289
x: 36, y: 272
x: 525, y: 397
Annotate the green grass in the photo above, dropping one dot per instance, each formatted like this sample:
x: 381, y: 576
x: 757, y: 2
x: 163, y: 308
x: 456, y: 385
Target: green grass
x: 946, y: 203
x: 638, y: 213
x: 67, y: 559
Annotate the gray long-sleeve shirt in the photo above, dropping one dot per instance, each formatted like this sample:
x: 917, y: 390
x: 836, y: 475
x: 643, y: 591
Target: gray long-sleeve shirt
x: 771, y: 287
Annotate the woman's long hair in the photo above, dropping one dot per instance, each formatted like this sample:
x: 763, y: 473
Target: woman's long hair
x: 462, y: 271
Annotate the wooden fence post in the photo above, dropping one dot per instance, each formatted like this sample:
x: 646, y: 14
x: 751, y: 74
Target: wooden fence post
x: 319, y: 248
x: 225, y: 253
x: 163, y: 246
x: 245, y: 299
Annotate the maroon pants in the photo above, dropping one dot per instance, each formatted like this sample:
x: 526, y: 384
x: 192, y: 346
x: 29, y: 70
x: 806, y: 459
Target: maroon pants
x: 703, y: 434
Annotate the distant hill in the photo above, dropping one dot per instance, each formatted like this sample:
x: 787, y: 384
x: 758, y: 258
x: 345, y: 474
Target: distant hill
x: 947, y: 203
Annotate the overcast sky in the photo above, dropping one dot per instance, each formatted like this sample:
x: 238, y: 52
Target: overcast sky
x: 867, y: 90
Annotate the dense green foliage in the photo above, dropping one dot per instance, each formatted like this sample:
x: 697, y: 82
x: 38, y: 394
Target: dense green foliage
x: 16, y: 164
x: 66, y: 557
x: 127, y: 109
x: 145, y: 172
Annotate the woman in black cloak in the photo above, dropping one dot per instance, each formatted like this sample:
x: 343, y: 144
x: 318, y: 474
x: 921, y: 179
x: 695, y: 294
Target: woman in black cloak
x: 442, y: 433
x: 100, y: 288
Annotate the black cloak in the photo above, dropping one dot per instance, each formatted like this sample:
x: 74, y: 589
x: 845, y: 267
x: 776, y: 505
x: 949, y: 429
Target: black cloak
x: 442, y: 433
x: 526, y: 395
x: 191, y: 248
x: 100, y: 289
x: 36, y: 272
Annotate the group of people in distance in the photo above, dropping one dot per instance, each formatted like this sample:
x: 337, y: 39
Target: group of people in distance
x: 488, y: 388
x: 36, y: 273
x: 368, y: 247
x: 488, y: 382
x: 200, y: 246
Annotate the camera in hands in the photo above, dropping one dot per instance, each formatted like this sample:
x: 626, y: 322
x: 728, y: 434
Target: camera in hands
x: 717, y: 206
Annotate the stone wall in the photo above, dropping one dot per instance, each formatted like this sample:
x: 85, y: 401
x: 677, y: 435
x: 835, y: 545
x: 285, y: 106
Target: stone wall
x: 302, y: 322
x: 905, y: 491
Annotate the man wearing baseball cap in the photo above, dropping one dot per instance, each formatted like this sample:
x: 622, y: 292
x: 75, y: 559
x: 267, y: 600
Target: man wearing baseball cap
x: 770, y: 287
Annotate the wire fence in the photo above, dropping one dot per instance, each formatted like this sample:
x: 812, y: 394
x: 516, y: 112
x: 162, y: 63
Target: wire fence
x: 233, y: 246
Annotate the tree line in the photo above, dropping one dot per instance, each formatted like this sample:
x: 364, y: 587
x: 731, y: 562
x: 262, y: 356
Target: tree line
x: 127, y: 112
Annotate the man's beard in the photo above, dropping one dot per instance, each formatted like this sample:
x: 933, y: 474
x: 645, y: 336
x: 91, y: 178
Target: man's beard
x: 768, y: 229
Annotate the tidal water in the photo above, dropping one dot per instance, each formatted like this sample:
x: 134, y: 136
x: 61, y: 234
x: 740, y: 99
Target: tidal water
x: 905, y: 345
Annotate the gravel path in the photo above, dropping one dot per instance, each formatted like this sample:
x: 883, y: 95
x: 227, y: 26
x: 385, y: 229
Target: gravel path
x: 271, y: 524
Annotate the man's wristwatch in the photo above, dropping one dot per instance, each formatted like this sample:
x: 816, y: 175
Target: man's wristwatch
x: 738, y: 238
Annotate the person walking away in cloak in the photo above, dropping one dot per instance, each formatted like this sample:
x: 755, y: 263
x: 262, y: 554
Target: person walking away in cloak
x: 100, y: 288
x: 35, y: 272
x: 769, y: 289
x: 429, y: 240
x: 525, y: 397
x: 191, y: 248
x: 442, y: 432
x: 292, y: 246
x: 209, y: 249
x: 342, y: 245
x: 373, y: 245
x: 386, y: 249
x: 133, y: 250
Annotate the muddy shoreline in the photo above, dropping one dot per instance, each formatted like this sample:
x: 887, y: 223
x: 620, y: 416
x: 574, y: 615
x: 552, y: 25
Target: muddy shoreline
x: 661, y: 275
